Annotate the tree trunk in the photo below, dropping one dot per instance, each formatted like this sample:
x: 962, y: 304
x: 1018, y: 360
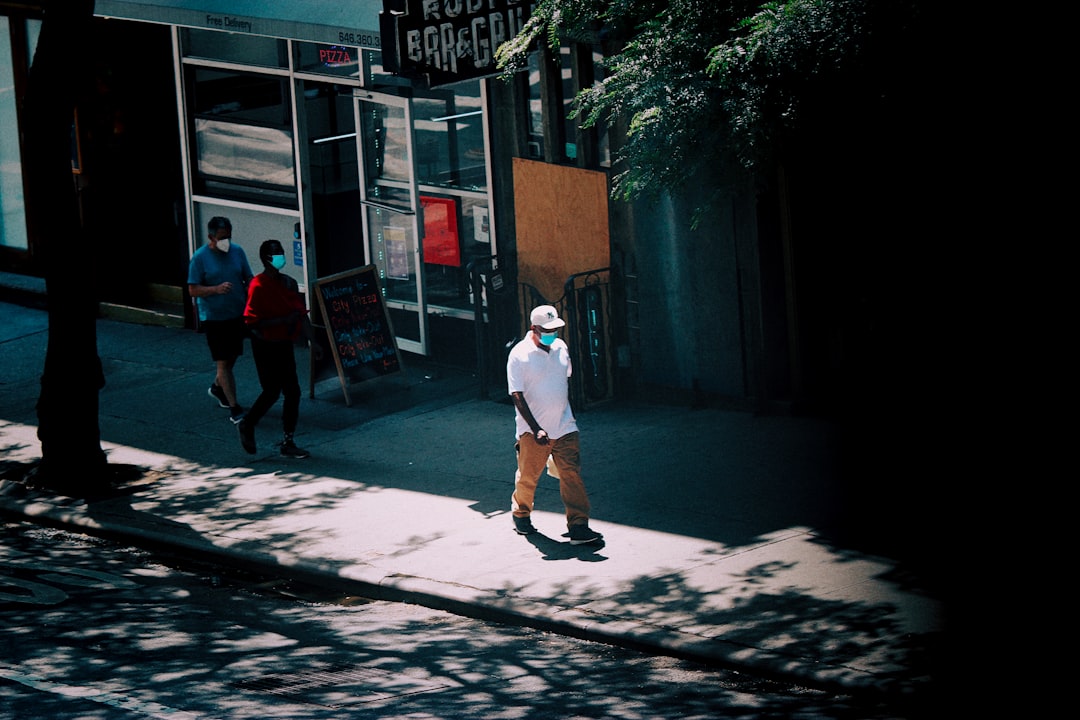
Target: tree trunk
x: 72, y: 460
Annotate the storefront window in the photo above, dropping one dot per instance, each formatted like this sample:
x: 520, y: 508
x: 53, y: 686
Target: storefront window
x: 334, y: 60
x: 335, y: 223
x: 587, y: 71
x: 243, y: 136
x: 33, y: 31
x: 536, y: 109
x: 375, y: 75
x: 456, y: 231
x: 569, y: 91
x: 244, y: 153
x: 603, y: 143
x: 250, y: 228
x: 12, y: 203
x: 234, y: 47
x: 552, y: 132
x: 241, y: 97
x: 449, y: 130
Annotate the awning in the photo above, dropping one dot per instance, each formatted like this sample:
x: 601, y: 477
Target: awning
x: 346, y: 22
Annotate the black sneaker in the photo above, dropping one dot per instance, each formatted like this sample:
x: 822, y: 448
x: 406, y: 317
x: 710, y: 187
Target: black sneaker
x: 236, y: 414
x: 247, y: 436
x: 289, y: 449
x: 218, y: 394
x: 582, y: 535
x: 523, y: 526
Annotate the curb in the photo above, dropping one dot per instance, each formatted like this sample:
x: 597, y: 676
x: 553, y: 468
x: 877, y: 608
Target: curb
x: 480, y: 605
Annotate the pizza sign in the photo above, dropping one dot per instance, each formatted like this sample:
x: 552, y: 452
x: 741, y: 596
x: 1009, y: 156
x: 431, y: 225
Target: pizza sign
x: 335, y: 56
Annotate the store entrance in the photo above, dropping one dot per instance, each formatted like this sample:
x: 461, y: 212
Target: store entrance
x: 333, y: 179
x: 391, y: 212
x: 127, y: 165
x: 364, y: 199
x: 401, y: 183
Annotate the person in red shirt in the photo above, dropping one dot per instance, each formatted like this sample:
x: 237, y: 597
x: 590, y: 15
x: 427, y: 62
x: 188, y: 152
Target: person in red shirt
x: 277, y: 318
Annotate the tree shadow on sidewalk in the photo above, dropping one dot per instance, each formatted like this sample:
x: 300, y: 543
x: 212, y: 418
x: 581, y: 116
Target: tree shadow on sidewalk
x: 103, y: 499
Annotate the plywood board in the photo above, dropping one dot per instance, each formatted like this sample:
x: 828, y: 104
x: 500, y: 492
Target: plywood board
x: 562, y: 223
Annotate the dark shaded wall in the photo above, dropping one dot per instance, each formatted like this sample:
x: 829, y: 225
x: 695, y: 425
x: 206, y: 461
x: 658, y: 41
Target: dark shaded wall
x: 131, y: 188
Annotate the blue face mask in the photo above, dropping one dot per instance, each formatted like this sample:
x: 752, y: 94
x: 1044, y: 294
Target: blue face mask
x: 278, y: 261
x: 548, y: 338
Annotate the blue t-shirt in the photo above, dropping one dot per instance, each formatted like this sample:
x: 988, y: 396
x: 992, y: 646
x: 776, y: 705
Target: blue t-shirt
x: 213, y: 267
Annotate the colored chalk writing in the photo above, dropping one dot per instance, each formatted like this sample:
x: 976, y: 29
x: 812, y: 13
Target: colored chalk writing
x: 357, y: 325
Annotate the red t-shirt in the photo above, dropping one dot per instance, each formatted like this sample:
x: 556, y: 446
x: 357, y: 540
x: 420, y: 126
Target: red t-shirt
x: 272, y: 297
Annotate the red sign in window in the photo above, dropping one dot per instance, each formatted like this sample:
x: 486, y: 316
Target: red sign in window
x: 441, y: 244
x: 335, y: 56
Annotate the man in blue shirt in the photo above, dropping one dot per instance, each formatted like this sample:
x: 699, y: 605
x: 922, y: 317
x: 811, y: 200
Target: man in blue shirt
x: 218, y: 277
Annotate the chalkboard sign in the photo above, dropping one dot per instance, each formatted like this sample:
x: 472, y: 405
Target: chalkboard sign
x: 357, y: 326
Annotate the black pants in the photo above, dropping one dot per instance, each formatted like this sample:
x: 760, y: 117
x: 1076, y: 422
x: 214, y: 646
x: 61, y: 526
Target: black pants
x: 276, y: 364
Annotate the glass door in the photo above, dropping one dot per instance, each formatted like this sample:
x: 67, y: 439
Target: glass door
x: 392, y: 214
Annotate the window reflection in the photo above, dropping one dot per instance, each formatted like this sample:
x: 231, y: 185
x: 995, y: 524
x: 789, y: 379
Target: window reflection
x: 12, y: 204
x: 569, y: 92
x: 386, y: 155
x: 234, y: 47
x: 244, y: 153
x: 241, y: 97
x: 335, y: 225
x: 604, y: 139
x: 242, y: 127
x: 553, y: 135
x: 536, y: 109
x: 449, y: 130
x: 322, y: 59
x: 446, y: 268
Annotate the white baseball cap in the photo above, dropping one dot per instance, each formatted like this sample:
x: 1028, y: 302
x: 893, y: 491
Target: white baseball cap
x: 546, y: 317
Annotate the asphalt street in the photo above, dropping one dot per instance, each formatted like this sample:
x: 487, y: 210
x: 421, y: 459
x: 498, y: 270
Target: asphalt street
x: 729, y: 537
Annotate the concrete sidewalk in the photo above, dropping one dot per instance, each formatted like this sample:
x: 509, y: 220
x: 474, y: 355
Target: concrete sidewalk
x: 723, y: 530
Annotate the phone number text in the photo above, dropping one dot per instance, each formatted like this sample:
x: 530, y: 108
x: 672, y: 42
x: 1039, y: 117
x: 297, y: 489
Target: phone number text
x: 360, y: 39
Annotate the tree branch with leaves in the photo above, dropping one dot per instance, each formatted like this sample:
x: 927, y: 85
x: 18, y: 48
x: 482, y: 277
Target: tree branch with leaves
x: 700, y: 84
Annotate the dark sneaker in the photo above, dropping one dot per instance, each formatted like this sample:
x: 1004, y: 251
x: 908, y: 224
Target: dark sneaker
x: 218, y: 394
x: 582, y: 535
x: 247, y: 436
x: 523, y: 526
x: 236, y: 414
x: 289, y: 449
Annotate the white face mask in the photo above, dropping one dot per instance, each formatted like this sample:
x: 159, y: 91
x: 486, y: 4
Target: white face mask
x: 223, y: 245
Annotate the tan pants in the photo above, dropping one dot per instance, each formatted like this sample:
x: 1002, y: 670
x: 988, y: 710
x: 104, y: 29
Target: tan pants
x: 565, y: 454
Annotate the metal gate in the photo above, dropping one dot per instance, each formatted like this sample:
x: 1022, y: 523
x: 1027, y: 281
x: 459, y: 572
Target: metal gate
x: 586, y: 306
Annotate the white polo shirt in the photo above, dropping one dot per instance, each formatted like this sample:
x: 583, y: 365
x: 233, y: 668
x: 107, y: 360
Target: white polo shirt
x: 543, y: 377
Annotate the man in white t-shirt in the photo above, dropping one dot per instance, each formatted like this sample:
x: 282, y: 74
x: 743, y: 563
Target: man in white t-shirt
x: 537, y: 375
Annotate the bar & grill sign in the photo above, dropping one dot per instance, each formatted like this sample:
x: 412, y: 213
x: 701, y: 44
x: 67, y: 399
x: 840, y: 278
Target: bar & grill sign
x: 448, y: 40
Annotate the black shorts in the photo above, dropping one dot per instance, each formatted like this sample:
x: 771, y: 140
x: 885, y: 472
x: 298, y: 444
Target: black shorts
x: 225, y: 338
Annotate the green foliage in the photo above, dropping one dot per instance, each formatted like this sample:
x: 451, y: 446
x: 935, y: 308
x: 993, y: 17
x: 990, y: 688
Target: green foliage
x: 700, y: 84
x: 778, y: 60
